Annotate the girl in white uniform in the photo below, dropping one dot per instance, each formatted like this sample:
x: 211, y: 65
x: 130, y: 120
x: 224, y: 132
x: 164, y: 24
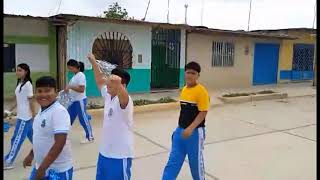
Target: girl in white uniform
x: 77, y: 90
x: 25, y: 114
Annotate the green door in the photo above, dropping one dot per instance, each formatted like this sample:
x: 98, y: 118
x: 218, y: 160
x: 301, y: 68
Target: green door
x: 165, y: 57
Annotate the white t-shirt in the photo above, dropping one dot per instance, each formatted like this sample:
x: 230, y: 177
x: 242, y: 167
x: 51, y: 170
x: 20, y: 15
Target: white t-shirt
x: 53, y: 120
x: 117, y: 133
x: 23, y: 104
x: 78, y: 79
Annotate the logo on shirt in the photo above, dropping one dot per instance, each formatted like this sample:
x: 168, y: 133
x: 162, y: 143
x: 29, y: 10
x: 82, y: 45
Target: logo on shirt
x: 43, y: 123
x: 110, y: 112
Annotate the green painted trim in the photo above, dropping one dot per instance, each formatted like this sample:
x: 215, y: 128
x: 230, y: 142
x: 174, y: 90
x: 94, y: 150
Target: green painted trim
x: 52, y: 50
x: 140, y: 80
x: 26, y: 39
x: 139, y: 83
x: 181, y: 78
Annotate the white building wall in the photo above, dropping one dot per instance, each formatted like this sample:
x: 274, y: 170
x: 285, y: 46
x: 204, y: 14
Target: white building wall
x: 82, y: 35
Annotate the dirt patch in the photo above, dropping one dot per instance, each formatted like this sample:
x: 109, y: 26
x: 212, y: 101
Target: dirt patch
x: 139, y: 102
x: 142, y: 102
x: 266, y: 92
x: 248, y: 94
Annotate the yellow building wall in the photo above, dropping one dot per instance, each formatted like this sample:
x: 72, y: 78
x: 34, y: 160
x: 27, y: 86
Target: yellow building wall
x: 286, y: 55
x: 286, y: 50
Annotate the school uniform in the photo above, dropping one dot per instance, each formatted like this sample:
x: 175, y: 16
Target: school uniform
x: 47, y: 123
x: 79, y: 105
x: 116, y: 146
x: 192, y: 101
x: 24, y: 121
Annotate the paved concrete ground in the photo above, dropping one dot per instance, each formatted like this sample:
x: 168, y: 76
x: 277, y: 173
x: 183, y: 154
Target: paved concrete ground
x: 264, y: 140
x: 292, y: 89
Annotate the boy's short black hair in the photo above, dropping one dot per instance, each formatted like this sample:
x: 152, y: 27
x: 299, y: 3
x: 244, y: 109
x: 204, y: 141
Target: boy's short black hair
x: 194, y: 66
x: 46, y: 81
x: 125, y: 76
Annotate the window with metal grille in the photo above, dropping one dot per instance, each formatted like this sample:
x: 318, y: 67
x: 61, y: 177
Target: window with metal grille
x: 114, y: 48
x: 222, y: 54
x: 303, y: 55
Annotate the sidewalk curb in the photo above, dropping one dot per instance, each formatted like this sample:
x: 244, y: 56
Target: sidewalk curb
x: 146, y: 108
x: 174, y: 106
x: 306, y: 95
x: 257, y: 97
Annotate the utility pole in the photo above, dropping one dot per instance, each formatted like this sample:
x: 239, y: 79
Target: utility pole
x: 249, y: 16
x: 314, y: 83
x: 202, y: 4
x: 145, y: 15
x: 315, y: 49
x: 168, y: 11
x: 185, y: 13
x: 315, y: 14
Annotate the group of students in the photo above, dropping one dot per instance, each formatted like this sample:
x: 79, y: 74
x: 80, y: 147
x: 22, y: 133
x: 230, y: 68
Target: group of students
x: 49, y: 128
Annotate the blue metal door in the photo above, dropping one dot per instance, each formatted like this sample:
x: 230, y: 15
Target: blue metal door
x: 265, y: 66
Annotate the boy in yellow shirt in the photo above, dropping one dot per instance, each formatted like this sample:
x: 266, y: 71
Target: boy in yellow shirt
x: 188, y: 138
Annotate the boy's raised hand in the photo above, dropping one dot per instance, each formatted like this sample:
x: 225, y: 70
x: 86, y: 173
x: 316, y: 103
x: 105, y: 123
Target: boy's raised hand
x: 91, y: 58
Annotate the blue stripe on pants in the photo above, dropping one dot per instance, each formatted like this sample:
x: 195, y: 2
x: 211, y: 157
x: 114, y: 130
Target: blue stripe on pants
x: 78, y: 108
x: 193, y: 147
x: 113, y: 169
x: 67, y: 175
x: 22, y: 130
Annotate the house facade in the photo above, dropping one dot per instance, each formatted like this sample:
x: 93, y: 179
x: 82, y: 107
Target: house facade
x: 235, y: 59
x: 297, y: 57
x: 30, y: 40
x: 33, y: 41
x: 153, y: 53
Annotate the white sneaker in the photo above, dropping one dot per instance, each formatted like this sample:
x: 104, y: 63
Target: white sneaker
x: 7, y: 166
x: 86, y: 141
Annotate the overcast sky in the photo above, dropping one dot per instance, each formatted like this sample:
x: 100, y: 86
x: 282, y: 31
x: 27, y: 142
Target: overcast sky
x: 220, y: 14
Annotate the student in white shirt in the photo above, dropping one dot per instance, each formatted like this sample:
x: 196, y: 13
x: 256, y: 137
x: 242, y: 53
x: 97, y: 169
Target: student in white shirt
x: 25, y: 114
x: 51, y: 148
x: 116, y: 147
x: 77, y: 90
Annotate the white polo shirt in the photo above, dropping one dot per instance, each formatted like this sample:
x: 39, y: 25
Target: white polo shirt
x: 53, y: 120
x: 23, y: 104
x: 78, y: 79
x: 117, y: 133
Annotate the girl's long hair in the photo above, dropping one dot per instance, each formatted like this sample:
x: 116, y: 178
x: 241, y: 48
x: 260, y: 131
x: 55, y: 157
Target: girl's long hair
x: 27, y: 78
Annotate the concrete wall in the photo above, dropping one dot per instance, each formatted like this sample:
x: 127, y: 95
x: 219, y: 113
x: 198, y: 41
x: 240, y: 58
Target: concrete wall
x: 35, y: 44
x: 35, y: 41
x: 82, y: 35
x: 80, y: 39
x: 25, y: 27
x: 199, y: 49
x: 36, y: 56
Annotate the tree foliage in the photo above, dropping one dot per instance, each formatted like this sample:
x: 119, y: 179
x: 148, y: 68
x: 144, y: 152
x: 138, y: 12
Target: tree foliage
x: 116, y: 12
